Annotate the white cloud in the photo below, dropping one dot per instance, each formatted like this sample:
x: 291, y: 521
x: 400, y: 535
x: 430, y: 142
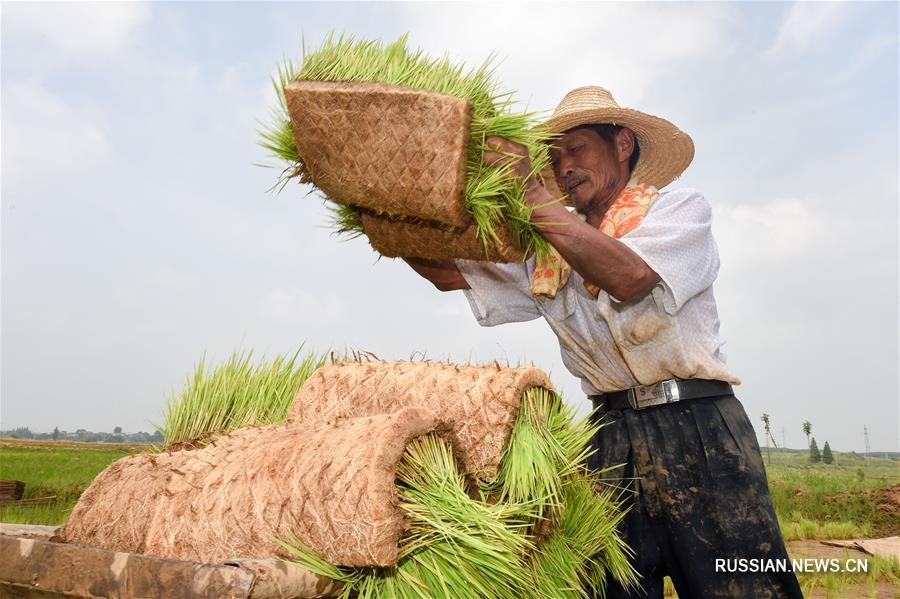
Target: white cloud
x: 451, y: 310
x: 79, y: 30
x: 805, y: 22
x: 43, y: 135
x: 626, y: 47
x: 769, y: 232
x: 299, y: 309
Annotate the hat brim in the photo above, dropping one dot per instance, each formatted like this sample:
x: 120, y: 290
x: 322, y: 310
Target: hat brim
x: 666, y: 150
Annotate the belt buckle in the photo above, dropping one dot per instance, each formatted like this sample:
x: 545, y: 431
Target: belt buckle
x: 641, y: 396
x: 670, y: 388
x: 632, y: 399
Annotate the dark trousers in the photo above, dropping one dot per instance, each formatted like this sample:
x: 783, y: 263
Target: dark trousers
x: 695, y: 486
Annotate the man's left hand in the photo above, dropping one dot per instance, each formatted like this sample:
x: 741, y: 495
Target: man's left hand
x: 503, y: 152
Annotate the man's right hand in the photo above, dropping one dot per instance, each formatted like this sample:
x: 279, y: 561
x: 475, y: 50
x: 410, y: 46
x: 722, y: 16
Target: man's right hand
x: 443, y: 274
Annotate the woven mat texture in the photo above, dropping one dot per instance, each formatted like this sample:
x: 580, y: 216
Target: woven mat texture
x: 399, y: 238
x: 387, y: 148
x: 331, y: 485
x: 478, y: 403
x: 115, y: 511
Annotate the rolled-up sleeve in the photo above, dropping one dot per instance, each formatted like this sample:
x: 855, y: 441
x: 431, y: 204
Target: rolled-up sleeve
x: 498, y: 293
x: 675, y: 240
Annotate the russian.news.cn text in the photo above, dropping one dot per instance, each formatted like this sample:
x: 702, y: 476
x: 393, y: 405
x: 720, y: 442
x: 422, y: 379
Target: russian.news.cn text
x: 813, y: 565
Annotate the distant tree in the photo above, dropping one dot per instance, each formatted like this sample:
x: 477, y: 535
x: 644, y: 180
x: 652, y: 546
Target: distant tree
x: 156, y: 437
x: 814, y: 456
x: 826, y: 454
x: 765, y: 419
x: 22, y: 432
x: 117, y: 430
x: 807, y: 430
x: 768, y: 426
x: 55, y: 433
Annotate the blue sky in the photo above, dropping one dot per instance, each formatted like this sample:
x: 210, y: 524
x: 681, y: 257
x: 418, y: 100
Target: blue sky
x: 137, y: 232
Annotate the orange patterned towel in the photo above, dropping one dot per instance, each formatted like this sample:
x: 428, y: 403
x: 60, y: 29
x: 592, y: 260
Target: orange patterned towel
x: 625, y: 213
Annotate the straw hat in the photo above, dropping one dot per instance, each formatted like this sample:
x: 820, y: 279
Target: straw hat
x: 666, y: 151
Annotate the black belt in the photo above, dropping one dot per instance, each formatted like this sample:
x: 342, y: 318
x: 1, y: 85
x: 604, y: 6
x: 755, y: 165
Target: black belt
x: 663, y: 392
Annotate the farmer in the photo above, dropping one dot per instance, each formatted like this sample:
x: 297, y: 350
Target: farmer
x: 628, y: 290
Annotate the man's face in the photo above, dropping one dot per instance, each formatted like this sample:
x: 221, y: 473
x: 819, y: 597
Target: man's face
x: 586, y: 167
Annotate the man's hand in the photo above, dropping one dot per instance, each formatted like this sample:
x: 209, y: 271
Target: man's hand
x: 443, y: 274
x: 504, y: 153
x: 602, y: 261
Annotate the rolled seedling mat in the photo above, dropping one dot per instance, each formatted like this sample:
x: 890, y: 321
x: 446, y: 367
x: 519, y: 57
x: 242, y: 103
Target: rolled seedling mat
x: 403, y: 479
x: 387, y: 148
x: 333, y: 487
x: 519, y: 456
x: 456, y: 546
x: 116, y: 509
x: 398, y: 237
x: 479, y: 403
x: 403, y: 238
x: 384, y: 129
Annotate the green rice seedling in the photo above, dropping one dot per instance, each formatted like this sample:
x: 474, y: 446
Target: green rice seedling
x: 796, y: 526
x: 455, y: 546
x: 547, y: 445
x: 277, y: 139
x: 237, y: 393
x: 838, y: 584
x: 492, y: 197
x: 578, y: 554
x: 346, y: 220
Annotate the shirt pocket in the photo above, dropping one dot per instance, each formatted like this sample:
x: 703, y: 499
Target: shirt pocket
x: 647, y: 336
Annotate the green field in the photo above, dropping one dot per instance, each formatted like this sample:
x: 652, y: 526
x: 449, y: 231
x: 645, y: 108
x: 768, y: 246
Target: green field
x: 839, y: 500
x: 833, y: 501
x: 62, y: 470
x: 851, y: 498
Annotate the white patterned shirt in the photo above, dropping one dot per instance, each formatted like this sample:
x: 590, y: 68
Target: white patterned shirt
x: 670, y: 332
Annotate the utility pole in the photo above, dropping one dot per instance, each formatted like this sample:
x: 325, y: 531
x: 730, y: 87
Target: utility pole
x: 866, y: 437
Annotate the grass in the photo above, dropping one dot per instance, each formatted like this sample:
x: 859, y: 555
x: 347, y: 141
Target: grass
x: 237, y: 393
x: 881, y: 575
x: 491, y: 196
x: 66, y: 469
x: 52, y: 468
x: 835, y: 585
x: 827, y: 501
x: 539, y: 482
x: 466, y: 537
x: 234, y: 394
x: 880, y: 572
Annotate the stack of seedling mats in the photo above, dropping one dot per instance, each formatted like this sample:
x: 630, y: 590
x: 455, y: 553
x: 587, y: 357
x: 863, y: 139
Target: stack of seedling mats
x: 394, y: 140
x: 397, y: 479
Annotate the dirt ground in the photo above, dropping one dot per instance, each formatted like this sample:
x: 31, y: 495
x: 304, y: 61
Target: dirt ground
x: 888, y: 501
x: 883, y: 590
x: 800, y: 549
x: 10, y: 442
x: 810, y: 548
